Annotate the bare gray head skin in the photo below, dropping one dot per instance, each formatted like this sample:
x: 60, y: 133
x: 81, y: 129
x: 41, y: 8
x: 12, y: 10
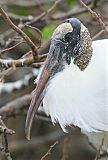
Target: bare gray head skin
x: 70, y: 43
x: 70, y: 40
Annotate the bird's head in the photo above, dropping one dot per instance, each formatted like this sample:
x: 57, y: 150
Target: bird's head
x: 70, y: 43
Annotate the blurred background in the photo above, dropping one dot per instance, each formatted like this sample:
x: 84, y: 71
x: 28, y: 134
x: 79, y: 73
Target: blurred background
x: 38, y: 19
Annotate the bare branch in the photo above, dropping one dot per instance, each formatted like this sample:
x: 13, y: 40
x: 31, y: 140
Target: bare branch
x: 20, y: 17
x: 6, y: 150
x: 4, y: 73
x: 20, y: 32
x: 95, y: 15
x: 18, y: 63
x: 37, y: 65
x: 97, y: 35
x: 21, y: 62
x: 10, y: 48
x: 98, y: 151
x: 65, y: 155
x: 4, y: 130
x: 49, y: 151
x: 73, y: 12
x: 44, y: 13
x: 30, y: 20
x: 69, y: 14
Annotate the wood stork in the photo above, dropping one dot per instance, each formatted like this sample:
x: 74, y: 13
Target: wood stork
x: 73, y: 83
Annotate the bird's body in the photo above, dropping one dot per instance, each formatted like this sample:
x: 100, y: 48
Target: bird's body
x: 80, y: 98
x: 73, y: 83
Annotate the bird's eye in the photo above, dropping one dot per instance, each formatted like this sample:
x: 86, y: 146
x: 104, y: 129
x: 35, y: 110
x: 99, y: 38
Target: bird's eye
x: 68, y: 36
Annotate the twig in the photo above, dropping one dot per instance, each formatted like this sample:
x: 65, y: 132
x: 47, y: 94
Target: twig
x: 21, y: 62
x: 97, y: 35
x: 36, y: 29
x: 43, y: 14
x: 16, y: 17
x: 73, y: 12
x: 39, y: 32
x: 98, y: 151
x: 69, y: 14
x: 49, y: 151
x: 65, y: 155
x: 4, y: 63
x: 30, y: 18
x: 27, y: 4
x: 10, y: 48
x: 20, y: 32
x: 6, y: 150
x: 37, y: 65
x: 95, y: 15
x: 4, y: 130
x: 4, y: 73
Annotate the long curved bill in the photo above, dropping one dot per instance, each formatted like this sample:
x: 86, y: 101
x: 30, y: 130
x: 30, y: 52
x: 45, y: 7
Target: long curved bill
x: 37, y: 97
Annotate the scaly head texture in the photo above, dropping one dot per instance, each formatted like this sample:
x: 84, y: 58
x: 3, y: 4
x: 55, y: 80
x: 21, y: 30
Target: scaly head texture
x: 85, y: 49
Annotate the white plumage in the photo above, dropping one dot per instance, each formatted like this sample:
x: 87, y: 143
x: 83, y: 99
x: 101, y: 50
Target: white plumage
x: 81, y: 97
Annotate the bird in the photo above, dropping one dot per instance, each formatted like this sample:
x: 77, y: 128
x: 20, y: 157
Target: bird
x: 73, y: 83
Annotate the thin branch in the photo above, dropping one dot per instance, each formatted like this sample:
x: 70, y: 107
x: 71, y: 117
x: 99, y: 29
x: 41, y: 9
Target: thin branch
x: 37, y: 65
x: 10, y: 48
x: 4, y: 63
x: 96, y: 16
x: 98, y: 151
x: 21, y: 62
x: 3, y: 128
x: 6, y: 149
x: 30, y: 18
x: 4, y: 73
x: 73, y: 12
x: 65, y: 155
x: 20, y: 32
x: 69, y: 14
x: 49, y: 151
x: 35, y: 19
x: 97, y: 35
x: 13, y: 16
x: 38, y: 32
